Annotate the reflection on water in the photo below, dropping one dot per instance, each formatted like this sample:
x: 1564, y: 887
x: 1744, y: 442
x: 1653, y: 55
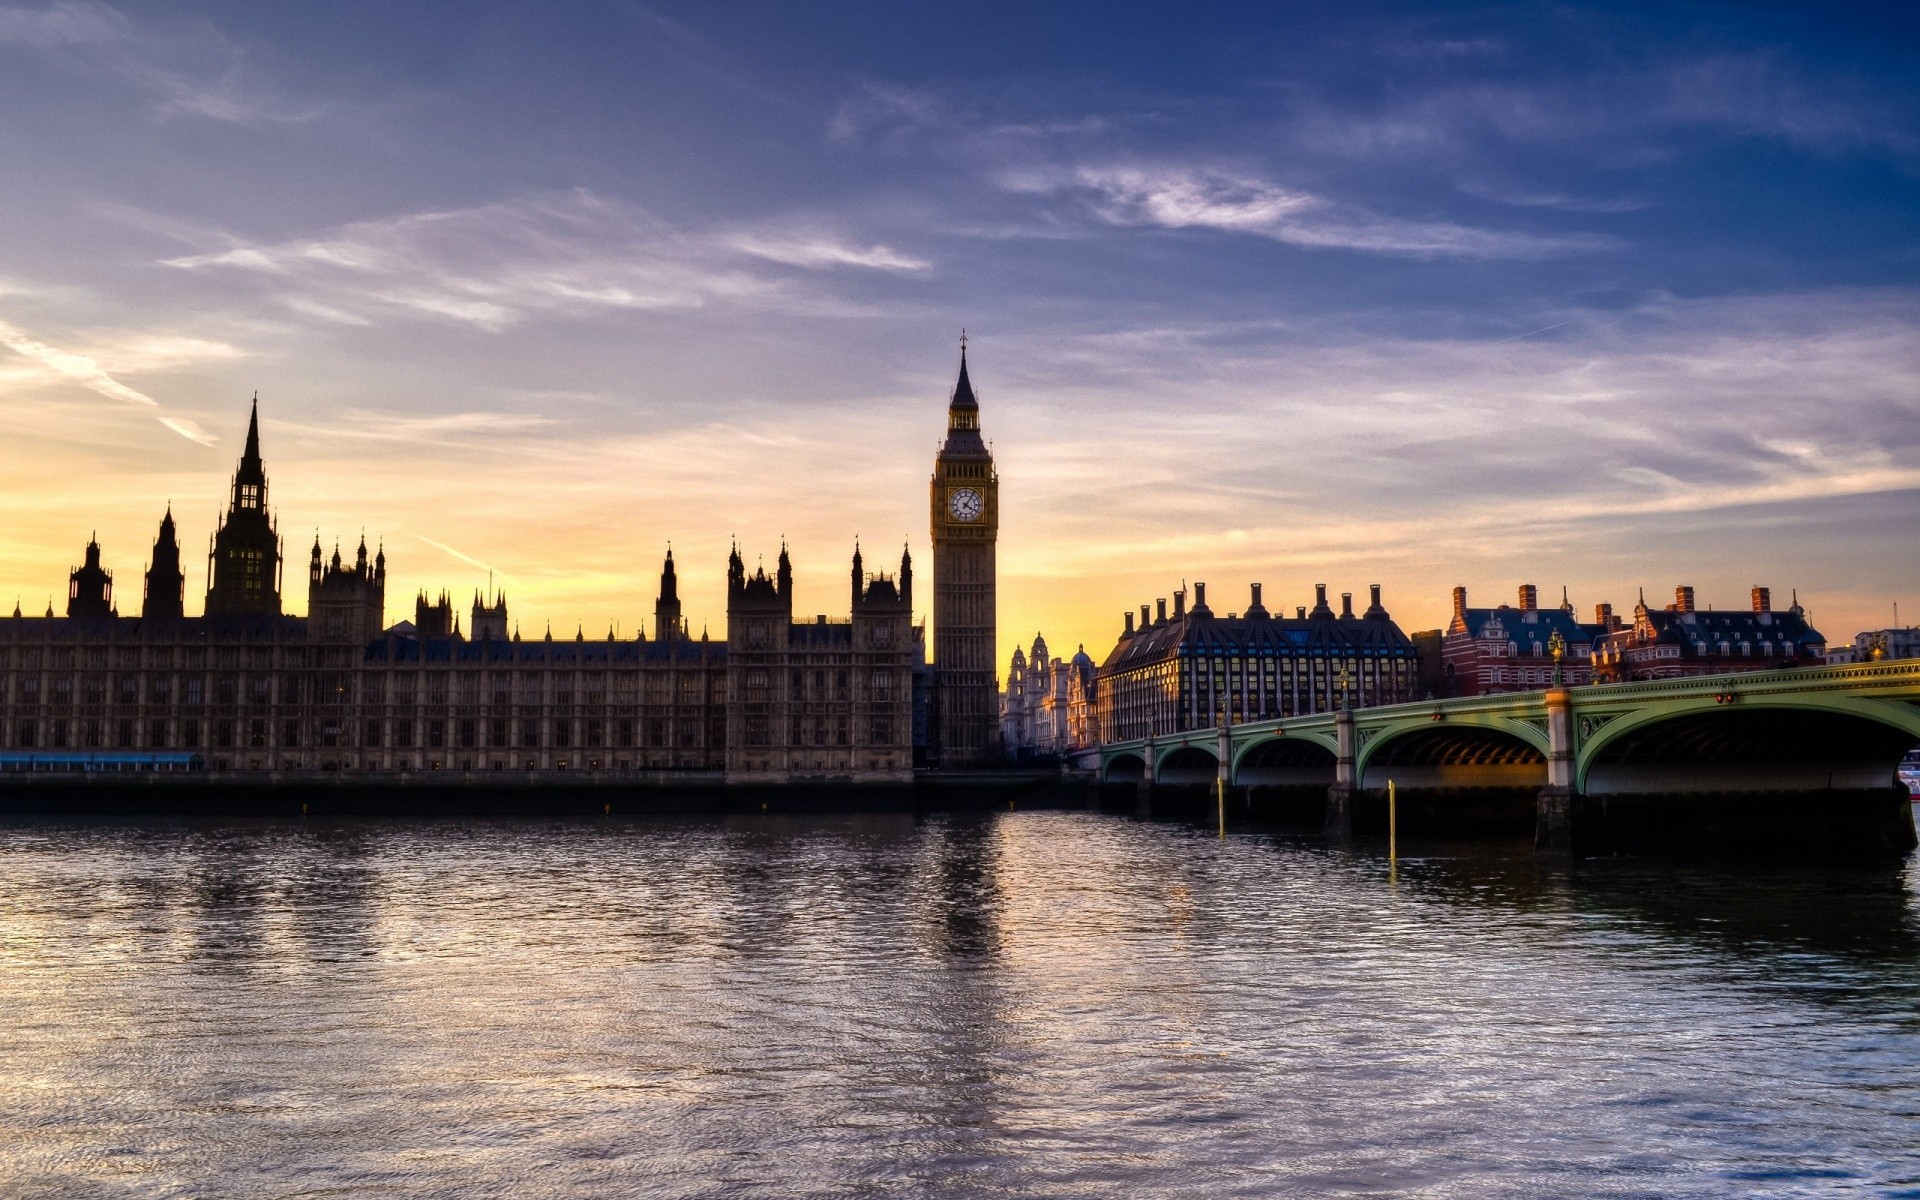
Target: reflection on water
x: 1030, y: 1004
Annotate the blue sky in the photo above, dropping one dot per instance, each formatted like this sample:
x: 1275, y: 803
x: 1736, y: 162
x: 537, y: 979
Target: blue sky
x: 1603, y: 296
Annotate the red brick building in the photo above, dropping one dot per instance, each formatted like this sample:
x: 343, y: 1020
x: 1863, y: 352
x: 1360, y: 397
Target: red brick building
x: 1681, y: 640
x: 1510, y: 648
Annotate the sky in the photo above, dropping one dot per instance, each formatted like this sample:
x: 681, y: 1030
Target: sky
x: 1602, y: 297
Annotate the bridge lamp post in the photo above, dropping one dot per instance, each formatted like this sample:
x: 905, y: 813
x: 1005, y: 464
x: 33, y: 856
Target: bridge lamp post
x: 1345, y: 680
x: 1557, y: 646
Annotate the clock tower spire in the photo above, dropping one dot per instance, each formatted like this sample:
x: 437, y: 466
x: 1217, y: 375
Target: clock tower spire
x: 965, y: 496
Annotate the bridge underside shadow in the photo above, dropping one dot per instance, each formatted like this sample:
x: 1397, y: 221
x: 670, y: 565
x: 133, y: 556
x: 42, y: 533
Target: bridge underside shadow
x: 1285, y: 780
x: 1776, y: 781
x: 1452, y: 781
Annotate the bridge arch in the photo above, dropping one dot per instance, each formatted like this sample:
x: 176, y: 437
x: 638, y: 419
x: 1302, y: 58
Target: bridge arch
x: 1285, y: 761
x: 1486, y: 753
x: 1124, y: 768
x: 1754, y: 744
x: 1187, y: 764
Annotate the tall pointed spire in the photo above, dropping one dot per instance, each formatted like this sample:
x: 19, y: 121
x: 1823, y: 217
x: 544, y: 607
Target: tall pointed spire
x: 963, y: 390
x: 252, y: 452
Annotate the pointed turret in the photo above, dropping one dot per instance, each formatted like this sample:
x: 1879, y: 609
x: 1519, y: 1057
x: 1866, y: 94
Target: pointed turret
x: 166, y: 582
x: 963, y: 416
x: 859, y: 572
x: 666, y: 609
x: 906, y: 576
x: 783, y: 575
x: 243, y: 567
x: 90, y: 586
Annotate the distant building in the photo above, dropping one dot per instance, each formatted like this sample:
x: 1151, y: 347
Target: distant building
x: 1037, y: 709
x: 1510, y: 648
x: 1192, y: 669
x: 1680, y: 640
x: 1877, y: 644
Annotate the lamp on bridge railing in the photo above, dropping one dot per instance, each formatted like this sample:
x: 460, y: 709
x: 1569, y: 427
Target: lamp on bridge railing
x: 1557, y: 646
x: 1345, y: 680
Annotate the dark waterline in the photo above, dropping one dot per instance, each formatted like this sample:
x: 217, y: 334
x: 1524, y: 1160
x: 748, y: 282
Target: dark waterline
x: 1012, y: 1004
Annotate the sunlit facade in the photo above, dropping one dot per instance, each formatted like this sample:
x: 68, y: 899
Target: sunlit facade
x: 1193, y: 670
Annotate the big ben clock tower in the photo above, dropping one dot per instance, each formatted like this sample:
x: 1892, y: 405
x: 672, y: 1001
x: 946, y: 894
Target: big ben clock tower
x: 966, y: 521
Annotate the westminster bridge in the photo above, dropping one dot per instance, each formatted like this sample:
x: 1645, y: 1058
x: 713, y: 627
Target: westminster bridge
x: 1805, y: 758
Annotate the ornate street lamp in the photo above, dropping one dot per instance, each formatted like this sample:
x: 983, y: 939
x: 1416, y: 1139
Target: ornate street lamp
x: 1557, y: 646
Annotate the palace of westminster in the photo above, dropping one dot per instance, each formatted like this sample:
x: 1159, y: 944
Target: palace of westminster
x: 248, y: 687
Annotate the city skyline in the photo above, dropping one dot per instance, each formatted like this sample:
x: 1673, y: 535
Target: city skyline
x: 1595, y: 297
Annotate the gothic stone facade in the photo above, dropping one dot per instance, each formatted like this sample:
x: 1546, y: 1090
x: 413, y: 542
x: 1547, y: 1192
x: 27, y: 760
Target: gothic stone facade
x: 819, y: 699
x: 337, y: 690
x: 965, y: 500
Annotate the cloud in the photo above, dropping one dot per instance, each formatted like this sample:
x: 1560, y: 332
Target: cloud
x: 495, y: 265
x: 88, y: 373
x: 188, y: 70
x: 1180, y: 197
x: 826, y: 252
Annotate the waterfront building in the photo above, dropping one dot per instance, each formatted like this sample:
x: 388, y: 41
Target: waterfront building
x: 1510, y: 648
x: 819, y: 699
x: 1037, y: 706
x: 965, y: 500
x: 1190, y: 669
x: 247, y: 688
x: 1681, y: 640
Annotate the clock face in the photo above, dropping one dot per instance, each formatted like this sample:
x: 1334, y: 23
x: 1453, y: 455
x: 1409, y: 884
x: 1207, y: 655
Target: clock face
x: 964, y: 504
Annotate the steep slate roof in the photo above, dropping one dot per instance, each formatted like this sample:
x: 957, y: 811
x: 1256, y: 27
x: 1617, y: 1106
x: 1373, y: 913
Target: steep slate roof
x: 1203, y: 634
x: 1515, y: 627
x: 1685, y: 628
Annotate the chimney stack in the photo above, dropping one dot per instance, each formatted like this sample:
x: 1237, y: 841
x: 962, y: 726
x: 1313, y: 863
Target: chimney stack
x: 1683, y: 599
x: 1160, y: 611
x: 1603, y: 616
x: 1300, y: 612
x: 1529, y: 597
x: 1145, y: 620
x: 1346, y: 605
x: 1762, y: 599
x: 1373, y: 590
x: 1256, y: 596
x: 1128, y: 631
x: 1460, y: 604
x: 1199, y: 598
x: 1180, y: 604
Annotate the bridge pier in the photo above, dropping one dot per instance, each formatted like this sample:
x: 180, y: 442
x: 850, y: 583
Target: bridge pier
x: 1340, y: 796
x: 1556, y: 814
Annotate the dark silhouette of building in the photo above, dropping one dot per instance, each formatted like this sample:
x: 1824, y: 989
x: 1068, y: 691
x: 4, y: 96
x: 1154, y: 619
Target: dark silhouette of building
x: 667, y: 622
x: 819, y: 699
x: 244, y: 687
x: 965, y: 496
x: 166, y: 596
x: 243, y: 564
x: 489, y: 619
x: 346, y: 603
x: 90, y: 586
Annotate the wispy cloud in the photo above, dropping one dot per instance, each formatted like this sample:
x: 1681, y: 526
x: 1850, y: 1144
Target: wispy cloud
x: 88, y: 373
x: 495, y: 265
x: 187, y: 69
x: 1181, y: 197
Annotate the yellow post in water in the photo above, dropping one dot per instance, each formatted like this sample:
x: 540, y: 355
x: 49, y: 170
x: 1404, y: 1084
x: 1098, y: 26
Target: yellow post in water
x: 1393, y: 824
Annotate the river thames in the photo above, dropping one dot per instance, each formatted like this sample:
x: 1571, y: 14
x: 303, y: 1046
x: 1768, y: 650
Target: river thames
x: 1013, y: 1004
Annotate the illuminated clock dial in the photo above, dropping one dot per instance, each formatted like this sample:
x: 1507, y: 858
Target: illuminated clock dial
x: 964, y: 504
